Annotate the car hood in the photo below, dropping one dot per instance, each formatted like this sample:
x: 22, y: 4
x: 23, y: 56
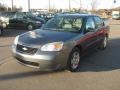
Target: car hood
x: 41, y: 37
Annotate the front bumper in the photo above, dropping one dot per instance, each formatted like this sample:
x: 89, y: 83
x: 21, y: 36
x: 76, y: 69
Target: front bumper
x: 41, y: 60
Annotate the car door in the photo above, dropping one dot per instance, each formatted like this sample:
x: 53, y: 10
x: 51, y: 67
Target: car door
x: 21, y: 20
x: 89, y: 38
x: 99, y: 28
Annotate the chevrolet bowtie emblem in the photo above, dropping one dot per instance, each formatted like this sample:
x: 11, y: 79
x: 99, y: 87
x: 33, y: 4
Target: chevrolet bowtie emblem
x: 24, y: 48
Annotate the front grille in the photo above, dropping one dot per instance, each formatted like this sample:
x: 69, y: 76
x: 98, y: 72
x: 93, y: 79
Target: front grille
x: 26, y: 50
x: 28, y: 62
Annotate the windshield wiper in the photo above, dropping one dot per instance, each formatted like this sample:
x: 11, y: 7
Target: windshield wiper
x: 63, y: 30
x: 54, y: 29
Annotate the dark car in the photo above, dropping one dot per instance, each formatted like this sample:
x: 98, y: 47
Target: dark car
x: 46, y: 16
x: 61, y: 42
x: 21, y: 20
x: 30, y: 15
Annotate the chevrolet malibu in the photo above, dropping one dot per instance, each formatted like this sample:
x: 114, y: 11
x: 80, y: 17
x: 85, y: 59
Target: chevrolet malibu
x: 61, y: 42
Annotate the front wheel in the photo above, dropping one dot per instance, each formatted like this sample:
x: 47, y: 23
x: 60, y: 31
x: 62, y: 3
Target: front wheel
x: 4, y: 25
x: 30, y: 27
x: 104, y: 43
x: 74, y: 60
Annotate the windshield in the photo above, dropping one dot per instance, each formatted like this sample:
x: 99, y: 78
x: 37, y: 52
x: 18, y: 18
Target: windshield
x: 64, y: 23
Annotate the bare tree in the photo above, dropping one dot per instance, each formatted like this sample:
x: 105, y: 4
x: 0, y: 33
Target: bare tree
x: 3, y: 7
x: 94, y: 4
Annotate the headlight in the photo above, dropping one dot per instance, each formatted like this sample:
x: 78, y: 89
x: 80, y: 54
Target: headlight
x: 55, y: 46
x: 16, y: 40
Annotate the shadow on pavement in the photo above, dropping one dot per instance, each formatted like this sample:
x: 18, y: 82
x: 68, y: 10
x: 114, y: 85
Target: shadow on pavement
x: 26, y: 74
x: 98, y: 61
x: 12, y: 32
x: 106, y: 60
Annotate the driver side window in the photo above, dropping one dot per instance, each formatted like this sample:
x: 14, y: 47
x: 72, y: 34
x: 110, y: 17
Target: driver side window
x: 90, y: 24
x: 19, y: 15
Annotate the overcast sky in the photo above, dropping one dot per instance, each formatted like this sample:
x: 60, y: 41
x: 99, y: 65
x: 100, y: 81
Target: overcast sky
x: 61, y: 4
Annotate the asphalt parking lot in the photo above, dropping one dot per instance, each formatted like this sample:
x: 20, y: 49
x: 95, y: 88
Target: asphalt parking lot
x: 98, y: 71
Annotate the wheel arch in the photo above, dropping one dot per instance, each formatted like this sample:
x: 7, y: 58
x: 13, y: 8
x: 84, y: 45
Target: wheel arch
x: 79, y: 47
x: 68, y: 61
x: 107, y: 35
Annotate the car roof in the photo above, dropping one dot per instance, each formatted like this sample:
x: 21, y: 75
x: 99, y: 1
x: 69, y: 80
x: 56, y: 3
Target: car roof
x: 75, y: 15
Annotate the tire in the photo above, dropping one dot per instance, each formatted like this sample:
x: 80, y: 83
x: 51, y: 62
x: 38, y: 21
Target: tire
x: 104, y: 43
x: 4, y: 25
x: 30, y: 27
x: 74, y: 60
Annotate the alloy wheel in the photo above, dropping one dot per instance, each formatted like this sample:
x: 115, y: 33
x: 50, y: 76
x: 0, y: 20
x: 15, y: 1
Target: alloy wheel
x: 75, y: 60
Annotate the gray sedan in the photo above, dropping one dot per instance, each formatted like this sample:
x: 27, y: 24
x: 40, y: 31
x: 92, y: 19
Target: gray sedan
x: 61, y: 42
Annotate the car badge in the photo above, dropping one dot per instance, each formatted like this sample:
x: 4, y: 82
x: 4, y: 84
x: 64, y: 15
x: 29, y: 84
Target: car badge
x: 24, y: 48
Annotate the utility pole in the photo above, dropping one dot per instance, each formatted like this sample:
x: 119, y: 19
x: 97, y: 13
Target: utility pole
x: 49, y: 5
x: 29, y: 5
x: 12, y: 5
x: 80, y: 5
x: 69, y: 5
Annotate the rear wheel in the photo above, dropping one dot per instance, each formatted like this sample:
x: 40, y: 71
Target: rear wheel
x: 30, y: 27
x: 74, y: 60
x: 4, y: 25
x: 104, y: 43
